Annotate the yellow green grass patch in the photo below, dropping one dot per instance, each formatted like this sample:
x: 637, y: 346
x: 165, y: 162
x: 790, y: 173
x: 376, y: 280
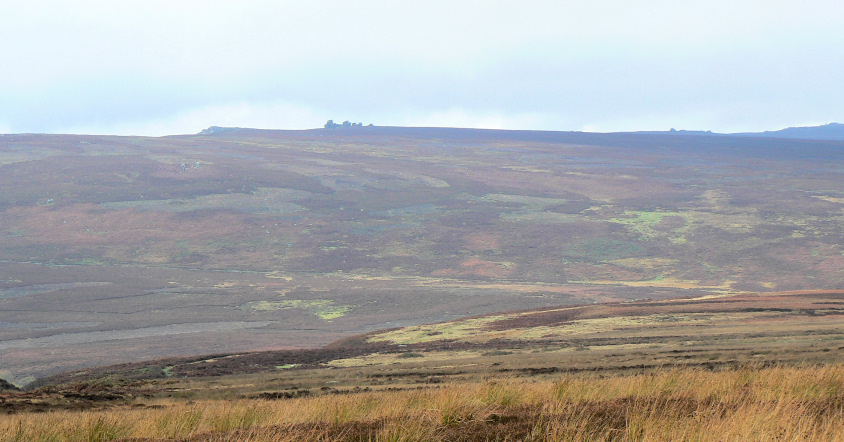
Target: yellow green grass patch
x: 643, y: 223
x: 321, y: 308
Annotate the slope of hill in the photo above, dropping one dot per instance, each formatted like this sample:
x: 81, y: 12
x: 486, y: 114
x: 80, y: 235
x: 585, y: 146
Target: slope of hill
x: 116, y: 249
x: 709, y: 331
x: 831, y: 131
x: 751, y: 366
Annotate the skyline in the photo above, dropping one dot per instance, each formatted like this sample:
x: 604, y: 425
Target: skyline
x: 153, y: 68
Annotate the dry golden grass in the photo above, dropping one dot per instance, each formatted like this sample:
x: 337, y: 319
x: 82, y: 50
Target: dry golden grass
x: 751, y: 403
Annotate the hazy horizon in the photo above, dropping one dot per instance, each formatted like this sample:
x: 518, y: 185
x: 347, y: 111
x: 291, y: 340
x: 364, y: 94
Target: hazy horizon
x: 157, y: 68
x: 413, y: 127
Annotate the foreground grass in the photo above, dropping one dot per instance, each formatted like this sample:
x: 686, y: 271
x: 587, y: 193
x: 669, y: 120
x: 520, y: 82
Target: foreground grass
x: 774, y: 403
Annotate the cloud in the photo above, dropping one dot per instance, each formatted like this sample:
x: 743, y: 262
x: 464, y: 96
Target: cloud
x: 477, y: 119
x: 164, y: 67
x: 258, y: 116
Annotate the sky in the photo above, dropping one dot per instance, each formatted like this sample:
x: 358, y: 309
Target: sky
x: 163, y: 67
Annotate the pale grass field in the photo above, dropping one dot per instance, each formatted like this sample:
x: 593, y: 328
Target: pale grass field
x: 775, y: 403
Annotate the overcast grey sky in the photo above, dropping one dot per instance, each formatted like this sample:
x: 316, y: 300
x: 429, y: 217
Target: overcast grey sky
x: 165, y: 67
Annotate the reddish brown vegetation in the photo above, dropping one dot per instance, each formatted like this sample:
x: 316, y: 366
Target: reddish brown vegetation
x: 803, y: 302
x: 475, y: 267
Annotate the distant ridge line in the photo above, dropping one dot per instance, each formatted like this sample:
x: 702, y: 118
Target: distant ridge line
x: 831, y: 131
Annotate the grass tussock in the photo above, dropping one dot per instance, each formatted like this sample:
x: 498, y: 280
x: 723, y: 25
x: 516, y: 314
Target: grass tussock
x: 773, y: 403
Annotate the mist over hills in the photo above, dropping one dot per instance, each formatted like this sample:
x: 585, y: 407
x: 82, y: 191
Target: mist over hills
x: 831, y: 131
x: 737, y: 143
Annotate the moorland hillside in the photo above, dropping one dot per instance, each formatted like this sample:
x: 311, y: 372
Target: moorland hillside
x: 116, y: 249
